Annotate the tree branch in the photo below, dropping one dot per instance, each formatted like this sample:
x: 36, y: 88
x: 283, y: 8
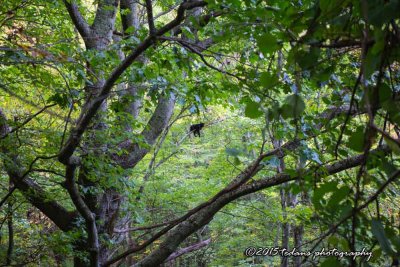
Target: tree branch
x: 372, y: 198
x: 150, y: 18
x: 157, y: 123
x: 77, y: 18
x: 204, y: 215
x: 188, y: 249
x: 94, y: 105
x: 93, y: 240
x: 31, y: 190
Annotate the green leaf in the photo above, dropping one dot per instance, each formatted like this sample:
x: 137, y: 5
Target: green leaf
x: 60, y: 99
x: 379, y: 233
x: 268, y: 80
x: 327, y: 5
x: 293, y: 106
x: 356, y: 140
x: 271, y: 161
x: 237, y: 161
x: 307, y: 59
x: 385, y: 93
x: 339, y: 195
x: 344, y: 211
x: 267, y: 43
x: 252, y: 110
x: 371, y: 63
x: 380, y: 12
x: 388, y: 167
x: 324, y: 74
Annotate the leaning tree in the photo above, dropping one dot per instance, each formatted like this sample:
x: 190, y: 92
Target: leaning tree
x: 89, y: 88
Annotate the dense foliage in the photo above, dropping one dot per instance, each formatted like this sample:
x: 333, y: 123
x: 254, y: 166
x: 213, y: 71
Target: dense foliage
x: 300, y: 147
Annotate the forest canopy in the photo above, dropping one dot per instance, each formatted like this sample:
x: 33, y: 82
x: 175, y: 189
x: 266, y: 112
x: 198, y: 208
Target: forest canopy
x: 199, y: 133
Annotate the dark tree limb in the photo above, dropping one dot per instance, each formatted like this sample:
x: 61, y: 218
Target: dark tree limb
x: 80, y: 23
x: 202, y: 214
x: 10, y: 226
x: 150, y: 19
x: 31, y: 190
x: 90, y: 219
x: 9, y: 193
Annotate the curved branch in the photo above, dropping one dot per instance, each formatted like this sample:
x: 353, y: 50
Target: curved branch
x: 80, y: 23
x: 157, y: 123
x: 93, y: 240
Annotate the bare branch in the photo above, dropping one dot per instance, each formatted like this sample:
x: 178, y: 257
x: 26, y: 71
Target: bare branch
x: 10, y: 92
x: 7, y: 196
x: 190, y: 47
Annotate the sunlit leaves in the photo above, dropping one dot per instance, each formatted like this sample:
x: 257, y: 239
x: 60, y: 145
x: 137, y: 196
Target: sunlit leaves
x: 233, y: 152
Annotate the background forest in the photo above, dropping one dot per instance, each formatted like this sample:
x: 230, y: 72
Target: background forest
x: 299, y: 149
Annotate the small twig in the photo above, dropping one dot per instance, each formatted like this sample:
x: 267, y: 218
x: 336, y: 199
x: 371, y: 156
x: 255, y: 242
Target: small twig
x: 66, y: 125
x: 28, y: 120
x: 33, y: 162
x: 190, y: 47
x: 385, y: 134
x: 348, y: 114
